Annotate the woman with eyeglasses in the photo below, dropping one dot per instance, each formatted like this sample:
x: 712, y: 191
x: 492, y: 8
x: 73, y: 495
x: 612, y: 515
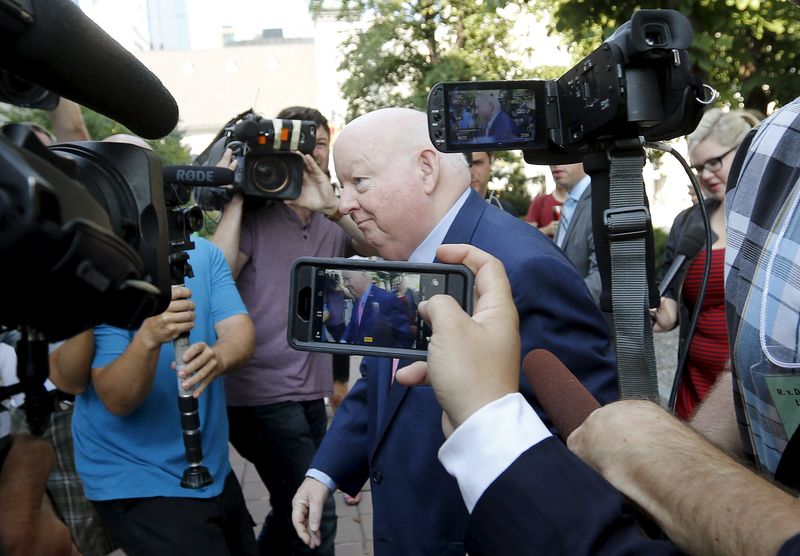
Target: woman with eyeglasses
x: 712, y: 147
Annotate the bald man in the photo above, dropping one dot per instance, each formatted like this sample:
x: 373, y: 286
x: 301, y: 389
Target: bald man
x: 407, y: 199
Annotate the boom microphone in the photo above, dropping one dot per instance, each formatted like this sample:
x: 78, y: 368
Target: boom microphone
x: 61, y: 49
x: 563, y: 397
x: 689, y: 246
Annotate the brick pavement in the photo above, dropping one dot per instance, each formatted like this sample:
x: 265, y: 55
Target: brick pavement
x: 354, y: 527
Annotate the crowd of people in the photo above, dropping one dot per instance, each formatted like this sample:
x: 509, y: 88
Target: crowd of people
x: 460, y: 455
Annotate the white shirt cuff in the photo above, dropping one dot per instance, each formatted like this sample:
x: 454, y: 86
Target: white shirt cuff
x: 488, y: 442
x: 322, y: 478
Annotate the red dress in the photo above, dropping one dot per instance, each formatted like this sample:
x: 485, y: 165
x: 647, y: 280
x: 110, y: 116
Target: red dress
x: 709, y: 350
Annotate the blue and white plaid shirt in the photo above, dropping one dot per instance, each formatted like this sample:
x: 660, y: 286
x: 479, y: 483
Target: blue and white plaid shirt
x: 762, y: 286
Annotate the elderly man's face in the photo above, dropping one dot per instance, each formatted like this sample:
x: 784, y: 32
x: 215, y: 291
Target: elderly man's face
x: 483, y: 109
x: 382, y: 191
x: 355, y: 282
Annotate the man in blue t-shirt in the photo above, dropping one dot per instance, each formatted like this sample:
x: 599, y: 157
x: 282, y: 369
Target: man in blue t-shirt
x: 127, y: 431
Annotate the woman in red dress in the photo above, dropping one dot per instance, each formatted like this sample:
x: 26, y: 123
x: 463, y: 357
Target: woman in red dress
x: 712, y: 147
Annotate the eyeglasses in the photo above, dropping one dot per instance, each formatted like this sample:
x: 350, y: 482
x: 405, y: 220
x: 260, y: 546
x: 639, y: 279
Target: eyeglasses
x: 712, y: 164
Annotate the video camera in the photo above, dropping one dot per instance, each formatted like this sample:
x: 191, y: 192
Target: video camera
x: 638, y: 83
x: 635, y: 89
x: 270, y: 158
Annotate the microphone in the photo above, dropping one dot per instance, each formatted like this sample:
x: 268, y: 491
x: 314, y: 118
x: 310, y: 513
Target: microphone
x: 689, y: 246
x: 198, y: 176
x: 563, y: 397
x: 66, y: 52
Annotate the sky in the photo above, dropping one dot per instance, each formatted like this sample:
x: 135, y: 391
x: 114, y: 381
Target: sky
x: 247, y: 17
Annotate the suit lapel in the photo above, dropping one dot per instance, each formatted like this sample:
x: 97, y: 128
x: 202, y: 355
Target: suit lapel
x: 579, y: 209
x: 390, y: 396
x: 463, y: 227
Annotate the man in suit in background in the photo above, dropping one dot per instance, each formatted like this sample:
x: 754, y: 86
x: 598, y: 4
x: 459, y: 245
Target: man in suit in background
x: 480, y: 171
x: 574, y: 233
x: 377, y: 318
x: 407, y: 199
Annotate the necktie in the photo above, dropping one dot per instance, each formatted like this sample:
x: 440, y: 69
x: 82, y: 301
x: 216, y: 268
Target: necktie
x: 395, y: 363
x: 360, y: 311
x: 566, y: 216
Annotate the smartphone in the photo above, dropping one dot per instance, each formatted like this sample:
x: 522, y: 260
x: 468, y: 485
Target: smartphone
x: 364, y: 307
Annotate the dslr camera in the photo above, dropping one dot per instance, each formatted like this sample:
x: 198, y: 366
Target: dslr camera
x: 639, y: 83
x: 270, y: 158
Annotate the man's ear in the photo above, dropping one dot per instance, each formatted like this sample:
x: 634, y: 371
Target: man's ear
x: 429, y: 167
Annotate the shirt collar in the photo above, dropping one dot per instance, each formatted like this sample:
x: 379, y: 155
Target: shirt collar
x: 580, y: 187
x: 426, y: 251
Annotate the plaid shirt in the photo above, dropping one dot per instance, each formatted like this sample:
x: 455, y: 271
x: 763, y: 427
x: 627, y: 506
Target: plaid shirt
x: 762, y: 285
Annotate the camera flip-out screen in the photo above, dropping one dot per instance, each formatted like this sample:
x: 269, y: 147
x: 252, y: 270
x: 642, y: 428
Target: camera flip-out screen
x: 495, y: 115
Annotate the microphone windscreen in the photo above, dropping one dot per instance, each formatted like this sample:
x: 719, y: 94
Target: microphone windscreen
x: 563, y: 397
x: 66, y: 52
x: 692, y: 241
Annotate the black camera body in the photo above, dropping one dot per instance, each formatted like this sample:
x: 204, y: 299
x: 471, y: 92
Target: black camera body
x: 638, y: 83
x: 270, y: 158
x: 83, y: 234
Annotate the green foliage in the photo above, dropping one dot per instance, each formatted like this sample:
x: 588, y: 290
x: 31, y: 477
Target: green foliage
x: 747, y: 49
x: 169, y: 149
x: 659, y: 245
x: 410, y: 45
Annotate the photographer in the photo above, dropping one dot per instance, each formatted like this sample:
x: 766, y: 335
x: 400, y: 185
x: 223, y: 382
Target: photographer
x: 275, y: 403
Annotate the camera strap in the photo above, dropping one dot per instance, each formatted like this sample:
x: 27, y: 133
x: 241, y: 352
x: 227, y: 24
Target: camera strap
x: 625, y: 257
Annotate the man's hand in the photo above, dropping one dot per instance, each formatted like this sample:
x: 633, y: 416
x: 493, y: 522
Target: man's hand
x: 608, y: 436
x: 472, y: 361
x: 666, y: 316
x: 28, y: 524
x: 307, y: 510
x: 317, y: 194
x: 201, y: 366
x: 550, y: 229
x: 177, y: 319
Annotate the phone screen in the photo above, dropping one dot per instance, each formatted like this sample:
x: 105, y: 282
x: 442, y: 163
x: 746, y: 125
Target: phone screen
x: 369, y: 308
x: 373, y: 308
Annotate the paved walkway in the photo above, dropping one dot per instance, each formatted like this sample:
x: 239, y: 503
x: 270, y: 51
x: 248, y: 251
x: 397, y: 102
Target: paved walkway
x: 354, y: 528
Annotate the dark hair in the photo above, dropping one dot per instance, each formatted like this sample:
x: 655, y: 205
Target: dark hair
x: 305, y: 113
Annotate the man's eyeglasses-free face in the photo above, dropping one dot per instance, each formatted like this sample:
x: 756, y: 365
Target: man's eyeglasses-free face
x: 712, y: 164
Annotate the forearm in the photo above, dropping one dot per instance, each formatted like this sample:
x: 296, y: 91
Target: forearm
x: 71, y: 363
x: 235, y: 344
x: 125, y: 383
x: 702, y: 499
x: 705, y: 502
x: 715, y: 419
x: 228, y: 234
x: 68, y: 122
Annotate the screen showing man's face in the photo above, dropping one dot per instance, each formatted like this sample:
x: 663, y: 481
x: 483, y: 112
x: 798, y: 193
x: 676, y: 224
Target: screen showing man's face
x: 511, y: 113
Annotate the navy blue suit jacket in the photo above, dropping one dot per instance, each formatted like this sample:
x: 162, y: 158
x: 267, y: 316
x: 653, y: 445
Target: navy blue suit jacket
x: 548, y: 502
x: 383, y: 321
x: 502, y: 127
x: 392, y: 435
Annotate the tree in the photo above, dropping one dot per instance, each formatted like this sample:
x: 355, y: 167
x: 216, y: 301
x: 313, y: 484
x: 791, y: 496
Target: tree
x: 746, y: 49
x: 169, y: 148
x: 407, y: 46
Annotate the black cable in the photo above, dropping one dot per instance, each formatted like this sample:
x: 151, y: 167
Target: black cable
x: 706, y: 270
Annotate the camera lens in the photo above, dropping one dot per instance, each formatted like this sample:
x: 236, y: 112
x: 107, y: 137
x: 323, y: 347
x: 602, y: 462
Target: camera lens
x: 270, y: 174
